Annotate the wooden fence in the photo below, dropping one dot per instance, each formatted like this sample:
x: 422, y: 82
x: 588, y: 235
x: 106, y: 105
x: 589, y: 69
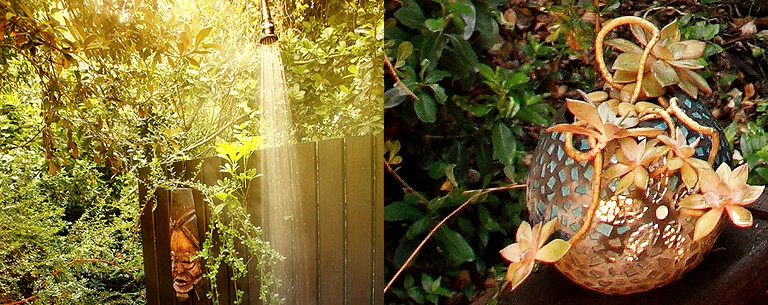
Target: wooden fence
x: 334, y: 250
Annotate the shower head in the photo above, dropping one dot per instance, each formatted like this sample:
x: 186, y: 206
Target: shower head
x: 267, y: 28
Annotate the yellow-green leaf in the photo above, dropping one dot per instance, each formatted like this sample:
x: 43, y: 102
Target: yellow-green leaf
x: 694, y: 79
x: 674, y: 163
x: 689, y: 64
x: 553, y: 251
x: 624, y: 45
x: 624, y: 77
x: 202, y: 35
x: 689, y: 175
x: 689, y: 49
x: 664, y: 73
x: 670, y: 33
x: 651, y: 86
x: 706, y: 223
x: 616, y: 170
x: 627, y: 62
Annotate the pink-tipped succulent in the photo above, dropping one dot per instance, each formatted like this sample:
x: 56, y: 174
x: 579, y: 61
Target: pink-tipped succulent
x: 722, y: 191
x: 529, y: 248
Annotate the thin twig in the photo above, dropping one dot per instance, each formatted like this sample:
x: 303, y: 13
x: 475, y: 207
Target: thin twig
x: 408, y: 188
x: 397, y: 79
x: 424, y: 241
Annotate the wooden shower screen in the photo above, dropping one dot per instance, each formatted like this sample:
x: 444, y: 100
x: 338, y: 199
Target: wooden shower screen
x: 334, y: 252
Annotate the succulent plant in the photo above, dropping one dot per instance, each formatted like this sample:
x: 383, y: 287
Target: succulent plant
x: 671, y: 62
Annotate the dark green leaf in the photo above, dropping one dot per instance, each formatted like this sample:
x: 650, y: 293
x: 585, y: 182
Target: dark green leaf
x: 394, y: 96
x: 417, y: 228
x: 425, y: 108
x: 410, y: 14
x: 457, y: 250
x: 534, y: 114
x: 486, y: 218
x: 439, y: 93
x: 504, y: 144
x: 401, y: 211
x: 463, y: 52
x: 434, y: 76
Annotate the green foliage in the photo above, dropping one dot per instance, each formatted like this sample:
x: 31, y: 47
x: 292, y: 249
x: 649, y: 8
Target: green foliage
x: 429, y: 291
x: 754, y: 146
x: 93, y: 90
x: 331, y: 68
x: 226, y: 200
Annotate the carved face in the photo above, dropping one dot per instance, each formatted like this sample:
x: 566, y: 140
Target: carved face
x: 185, y: 270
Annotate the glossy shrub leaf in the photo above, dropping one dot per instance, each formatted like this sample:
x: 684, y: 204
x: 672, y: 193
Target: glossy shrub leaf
x: 464, y: 53
x: 504, y: 144
x: 417, y: 228
x: 394, y: 96
x: 425, y: 108
x: 435, y: 24
x: 456, y: 249
x: 399, y: 210
x: 410, y: 14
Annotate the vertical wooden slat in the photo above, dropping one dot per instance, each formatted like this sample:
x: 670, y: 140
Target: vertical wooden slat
x: 253, y: 202
x: 331, y: 202
x: 377, y: 160
x: 359, y: 187
x: 306, y: 231
x: 148, y: 239
x: 193, y: 172
x: 210, y: 174
x: 162, y: 231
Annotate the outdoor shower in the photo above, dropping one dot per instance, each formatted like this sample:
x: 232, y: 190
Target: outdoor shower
x: 267, y: 28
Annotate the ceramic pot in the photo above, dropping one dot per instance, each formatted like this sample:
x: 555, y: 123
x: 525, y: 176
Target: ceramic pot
x: 637, y: 239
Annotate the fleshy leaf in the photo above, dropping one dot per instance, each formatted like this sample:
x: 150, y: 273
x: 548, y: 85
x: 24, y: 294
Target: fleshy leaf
x: 689, y: 175
x: 693, y: 201
x: 707, y: 223
x: 585, y: 112
x: 689, y: 49
x: 738, y: 176
x: 512, y: 253
x: 670, y: 33
x: 553, y: 251
x: 616, y: 170
x: 753, y: 192
x: 624, y: 77
x: 624, y: 183
x: 573, y: 129
x: 517, y: 273
x: 627, y: 62
x: 674, y: 163
x: 689, y: 64
x: 641, y: 177
x: 740, y: 216
x: 664, y: 73
x: 651, y: 86
x: 546, y: 230
x: 624, y: 45
x: 640, y: 34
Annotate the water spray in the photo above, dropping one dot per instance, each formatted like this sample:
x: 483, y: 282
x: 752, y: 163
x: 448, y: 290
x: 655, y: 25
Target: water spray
x: 267, y: 28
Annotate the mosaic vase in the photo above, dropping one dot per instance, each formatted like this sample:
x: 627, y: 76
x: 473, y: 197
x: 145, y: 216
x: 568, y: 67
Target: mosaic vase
x: 637, y: 239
